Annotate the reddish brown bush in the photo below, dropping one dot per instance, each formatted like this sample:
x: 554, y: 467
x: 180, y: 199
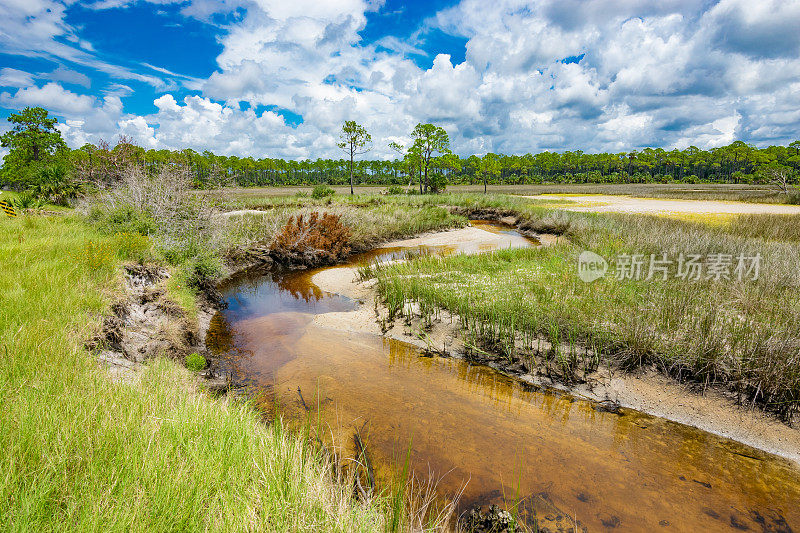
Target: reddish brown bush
x: 321, y: 237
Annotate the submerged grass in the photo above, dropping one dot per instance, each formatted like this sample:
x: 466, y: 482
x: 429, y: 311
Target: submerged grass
x: 81, y: 452
x: 531, y: 302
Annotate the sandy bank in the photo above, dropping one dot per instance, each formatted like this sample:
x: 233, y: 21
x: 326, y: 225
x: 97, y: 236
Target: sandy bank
x: 600, y: 203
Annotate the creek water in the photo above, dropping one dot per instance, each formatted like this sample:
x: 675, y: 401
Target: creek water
x: 563, y: 463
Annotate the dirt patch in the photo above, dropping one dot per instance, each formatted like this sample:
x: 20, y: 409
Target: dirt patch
x: 146, y: 324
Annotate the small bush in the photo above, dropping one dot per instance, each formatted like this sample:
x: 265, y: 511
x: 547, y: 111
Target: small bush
x: 132, y: 246
x: 324, y: 235
x: 322, y: 191
x: 395, y: 190
x: 55, y: 184
x: 195, y: 362
x: 123, y: 218
x: 27, y: 200
x: 202, y: 269
x: 793, y: 198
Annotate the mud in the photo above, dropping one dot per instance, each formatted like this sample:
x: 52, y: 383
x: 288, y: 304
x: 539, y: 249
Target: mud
x: 145, y: 324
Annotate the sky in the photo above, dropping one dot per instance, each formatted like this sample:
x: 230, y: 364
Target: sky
x: 277, y: 78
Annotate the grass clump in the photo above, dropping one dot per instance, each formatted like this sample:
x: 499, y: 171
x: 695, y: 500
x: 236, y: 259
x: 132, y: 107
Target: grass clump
x: 322, y: 191
x: 195, y: 362
x: 395, y: 190
x: 770, y: 227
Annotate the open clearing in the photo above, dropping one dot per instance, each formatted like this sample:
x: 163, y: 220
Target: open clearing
x: 603, y: 203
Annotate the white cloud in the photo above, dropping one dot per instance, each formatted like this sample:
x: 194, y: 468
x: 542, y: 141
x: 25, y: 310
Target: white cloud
x: 51, y: 96
x: 669, y: 73
x: 11, y: 77
x: 66, y: 75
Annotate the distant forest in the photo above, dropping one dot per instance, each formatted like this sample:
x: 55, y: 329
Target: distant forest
x: 40, y: 161
x: 735, y: 163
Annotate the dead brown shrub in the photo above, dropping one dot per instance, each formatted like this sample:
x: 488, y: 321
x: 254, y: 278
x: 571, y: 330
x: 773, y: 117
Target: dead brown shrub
x: 316, y: 238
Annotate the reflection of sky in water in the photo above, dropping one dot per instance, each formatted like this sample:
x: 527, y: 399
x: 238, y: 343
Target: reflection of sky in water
x: 260, y: 294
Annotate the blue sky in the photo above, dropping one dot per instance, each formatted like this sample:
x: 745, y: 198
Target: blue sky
x: 269, y: 78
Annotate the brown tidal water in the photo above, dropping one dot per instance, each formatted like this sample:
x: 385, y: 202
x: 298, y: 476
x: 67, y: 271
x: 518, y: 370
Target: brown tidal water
x: 554, y: 456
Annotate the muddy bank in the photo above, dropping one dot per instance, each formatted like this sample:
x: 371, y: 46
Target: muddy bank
x: 145, y: 324
x: 713, y: 410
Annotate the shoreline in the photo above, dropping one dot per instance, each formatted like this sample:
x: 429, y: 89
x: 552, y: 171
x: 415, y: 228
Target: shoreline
x: 646, y: 391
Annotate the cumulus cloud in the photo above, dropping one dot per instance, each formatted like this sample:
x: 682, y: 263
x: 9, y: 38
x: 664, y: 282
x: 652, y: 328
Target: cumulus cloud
x: 767, y: 28
x: 51, y: 96
x: 552, y: 74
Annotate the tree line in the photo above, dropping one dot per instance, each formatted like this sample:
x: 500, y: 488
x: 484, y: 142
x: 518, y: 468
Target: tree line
x: 426, y: 165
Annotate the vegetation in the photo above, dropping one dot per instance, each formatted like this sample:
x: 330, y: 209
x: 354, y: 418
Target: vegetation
x: 102, y: 166
x: 81, y: 452
x: 33, y: 139
x: 530, y: 303
x: 316, y: 234
x: 322, y: 191
x: 354, y: 140
x: 195, y: 362
x: 737, y: 163
x: 430, y: 140
x: 369, y: 219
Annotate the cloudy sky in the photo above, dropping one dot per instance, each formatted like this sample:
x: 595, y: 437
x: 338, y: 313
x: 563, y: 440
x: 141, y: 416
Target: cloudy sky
x: 276, y: 78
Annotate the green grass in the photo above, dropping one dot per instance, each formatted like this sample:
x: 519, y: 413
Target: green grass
x: 8, y: 195
x: 770, y: 227
x: 701, y: 191
x: 530, y: 302
x: 81, y: 452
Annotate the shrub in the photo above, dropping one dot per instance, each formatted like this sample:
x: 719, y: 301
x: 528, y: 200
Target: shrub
x: 123, y: 218
x: 132, y: 246
x: 54, y: 183
x: 26, y: 200
x: 161, y: 206
x: 202, y: 269
x: 395, y: 190
x: 324, y: 235
x: 195, y: 362
x: 322, y: 191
